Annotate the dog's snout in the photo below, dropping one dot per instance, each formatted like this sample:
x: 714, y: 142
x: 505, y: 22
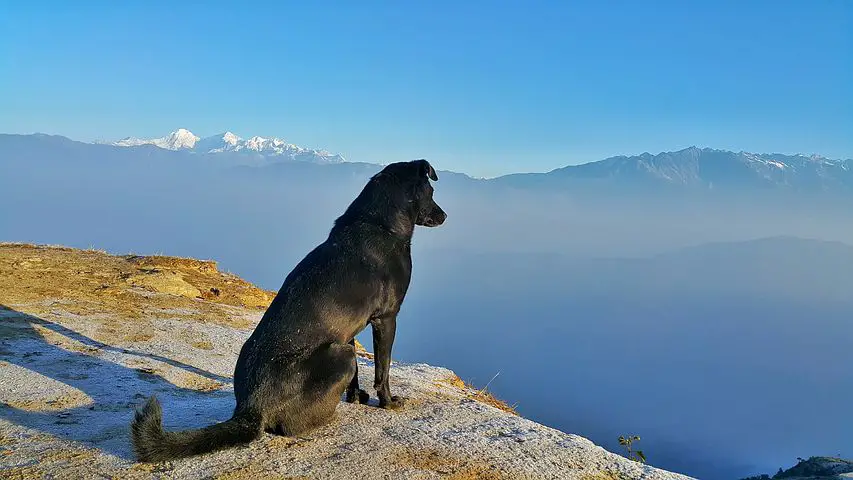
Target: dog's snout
x: 442, y: 216
x: 436, y: 217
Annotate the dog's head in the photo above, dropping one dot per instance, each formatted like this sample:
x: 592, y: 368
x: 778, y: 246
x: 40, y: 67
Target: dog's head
x: 413, y: 179
x: 428, y: 213
x: 398, y: 197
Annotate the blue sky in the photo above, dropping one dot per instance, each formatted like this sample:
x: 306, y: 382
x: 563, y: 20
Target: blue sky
x: 480, y: 87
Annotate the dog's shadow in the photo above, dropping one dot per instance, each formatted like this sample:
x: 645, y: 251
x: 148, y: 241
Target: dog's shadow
x: 83, y: 394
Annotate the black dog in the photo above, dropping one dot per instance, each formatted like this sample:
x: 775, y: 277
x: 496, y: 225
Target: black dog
x: 294, y: 367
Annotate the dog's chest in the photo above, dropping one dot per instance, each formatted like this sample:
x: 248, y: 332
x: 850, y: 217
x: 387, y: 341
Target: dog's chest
x: 393, y: 282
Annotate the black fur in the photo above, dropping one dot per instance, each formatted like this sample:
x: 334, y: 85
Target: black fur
x: 294, y: 367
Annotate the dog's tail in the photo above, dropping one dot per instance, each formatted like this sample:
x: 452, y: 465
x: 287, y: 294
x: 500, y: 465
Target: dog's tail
x: 152, y: 444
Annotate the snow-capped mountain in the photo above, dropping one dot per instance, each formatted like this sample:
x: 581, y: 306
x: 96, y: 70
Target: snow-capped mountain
x: 180, y: 139
x: 183, y: 139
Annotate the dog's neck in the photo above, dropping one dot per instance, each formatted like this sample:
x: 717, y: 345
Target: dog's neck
x: 401, y: 227
x: 374, y: 206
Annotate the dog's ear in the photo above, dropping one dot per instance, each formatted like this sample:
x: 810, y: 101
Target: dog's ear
x: 425, y: 169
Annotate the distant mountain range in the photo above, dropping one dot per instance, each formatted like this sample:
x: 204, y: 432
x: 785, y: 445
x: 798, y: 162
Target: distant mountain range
x: 704, y: 168
x: 695, y: 169
x: 184, y: 140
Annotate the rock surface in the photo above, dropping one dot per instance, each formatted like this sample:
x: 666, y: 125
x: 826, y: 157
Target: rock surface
x: 85, y: 337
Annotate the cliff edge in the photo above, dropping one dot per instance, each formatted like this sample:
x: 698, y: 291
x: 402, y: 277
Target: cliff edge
x: 86, y: 336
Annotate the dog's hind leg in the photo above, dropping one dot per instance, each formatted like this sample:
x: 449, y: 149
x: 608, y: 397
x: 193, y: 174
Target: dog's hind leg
x: 327, y: 373
x: 362, y: 397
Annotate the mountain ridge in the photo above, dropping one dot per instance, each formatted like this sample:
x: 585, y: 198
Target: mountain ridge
x: 704, y: 168
x: 692, y: 168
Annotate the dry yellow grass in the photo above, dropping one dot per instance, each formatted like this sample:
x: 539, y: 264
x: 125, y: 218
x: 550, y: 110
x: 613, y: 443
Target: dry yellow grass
x: 197, y: 382
x: 252, y: 472
x: 73, y: 462
x: 481, y: 395
x: 448, y: 466
x: 56, y: 404
x: 361, y: 352
x: 604, y: 476
x: 112, y: 290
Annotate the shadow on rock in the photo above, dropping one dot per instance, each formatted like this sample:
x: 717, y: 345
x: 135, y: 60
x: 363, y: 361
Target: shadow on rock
x: 59, y: 382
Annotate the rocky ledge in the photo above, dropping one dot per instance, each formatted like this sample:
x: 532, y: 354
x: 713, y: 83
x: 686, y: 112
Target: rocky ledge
x: 85, y: 337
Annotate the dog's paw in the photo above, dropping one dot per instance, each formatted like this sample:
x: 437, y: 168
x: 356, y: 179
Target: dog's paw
x: 362, y: 397
x: 395, y: 403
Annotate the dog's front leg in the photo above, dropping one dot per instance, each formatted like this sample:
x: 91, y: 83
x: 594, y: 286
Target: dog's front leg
x: 384, y: 329
x: 353, y: 392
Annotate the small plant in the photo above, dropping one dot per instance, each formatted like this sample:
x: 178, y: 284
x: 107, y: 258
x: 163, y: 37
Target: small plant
x: 486, y: 397
x: 628, y: 443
